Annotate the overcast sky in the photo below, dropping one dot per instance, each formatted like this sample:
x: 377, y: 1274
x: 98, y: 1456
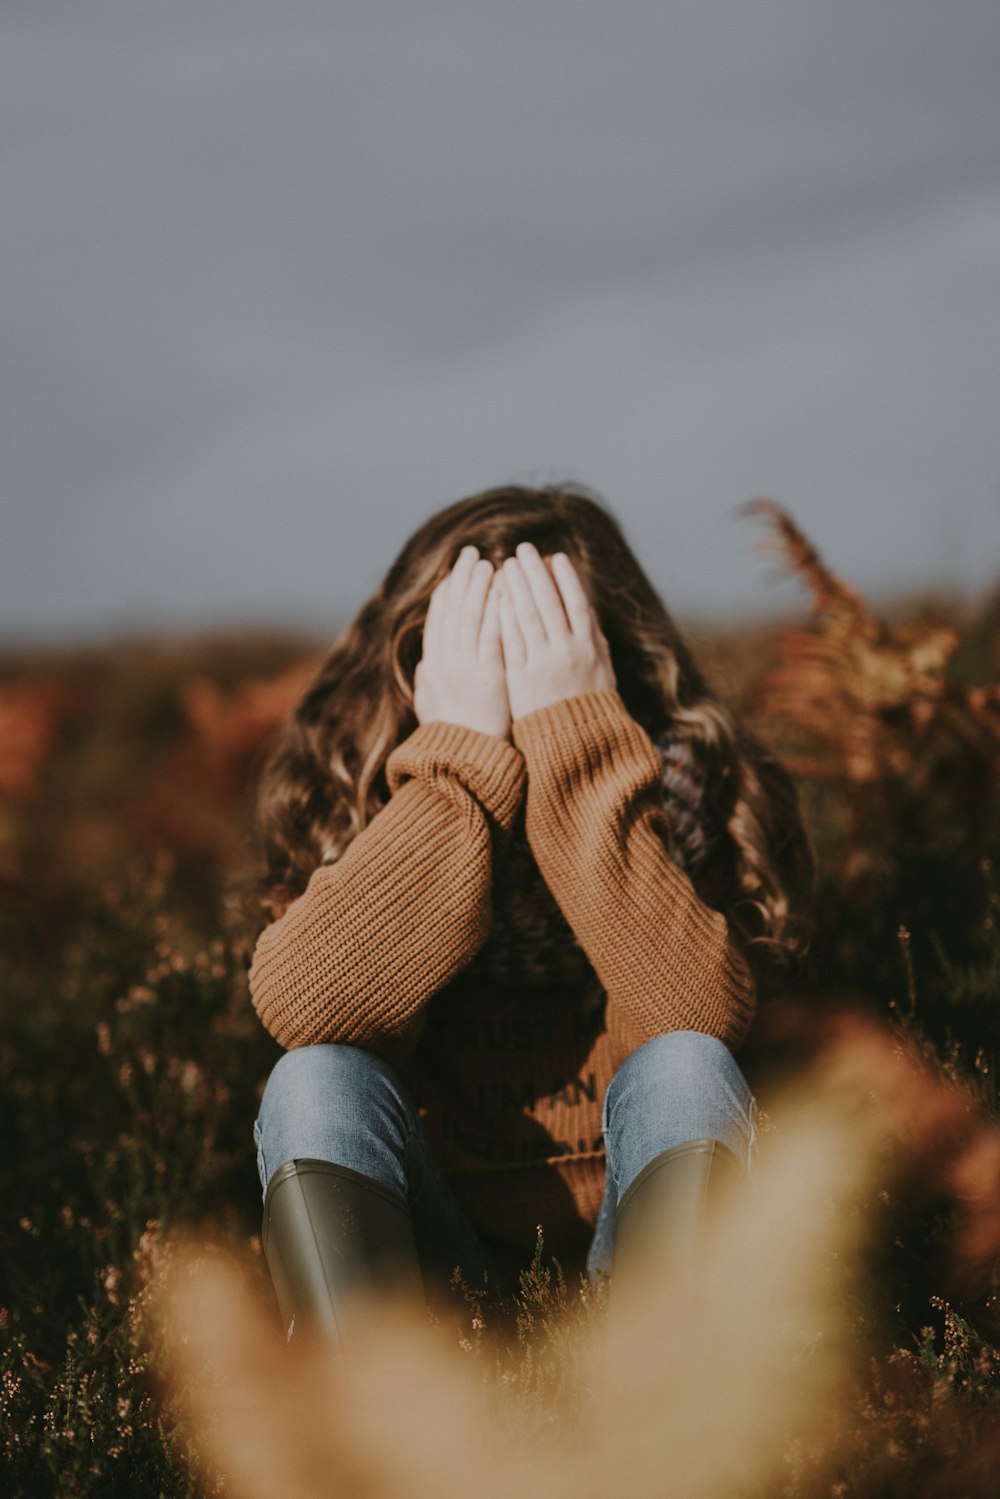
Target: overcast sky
x: 278, y: 281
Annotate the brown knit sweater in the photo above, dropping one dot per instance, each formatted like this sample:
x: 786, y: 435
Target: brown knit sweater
x: 506, y: 930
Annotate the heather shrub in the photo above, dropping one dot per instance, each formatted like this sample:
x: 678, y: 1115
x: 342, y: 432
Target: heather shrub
x: 131, y: 1061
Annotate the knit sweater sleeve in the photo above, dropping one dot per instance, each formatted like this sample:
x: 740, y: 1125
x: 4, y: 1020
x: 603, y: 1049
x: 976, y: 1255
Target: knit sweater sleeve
x: 357, y: 955
x: 597, y: 824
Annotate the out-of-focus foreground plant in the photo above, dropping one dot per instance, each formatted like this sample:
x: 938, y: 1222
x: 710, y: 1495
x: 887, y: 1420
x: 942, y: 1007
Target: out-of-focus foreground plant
x: 745, y: 1376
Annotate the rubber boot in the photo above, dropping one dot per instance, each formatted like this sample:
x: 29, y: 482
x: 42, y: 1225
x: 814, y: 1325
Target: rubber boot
x: 330, y: 1233
x: 662, y: 1218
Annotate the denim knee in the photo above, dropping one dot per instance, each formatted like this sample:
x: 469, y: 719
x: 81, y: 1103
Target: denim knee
x: 335, y: 1103
x: 683, y: 1085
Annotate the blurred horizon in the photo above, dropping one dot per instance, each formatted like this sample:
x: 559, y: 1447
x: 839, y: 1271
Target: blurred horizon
x: 796, y: 604
x: 141, y: 634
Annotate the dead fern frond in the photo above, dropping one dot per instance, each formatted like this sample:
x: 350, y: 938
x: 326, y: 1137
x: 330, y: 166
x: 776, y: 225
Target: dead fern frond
x: 800, y: 557
x: 875, y: 711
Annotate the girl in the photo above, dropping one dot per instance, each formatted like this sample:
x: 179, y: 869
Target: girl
x: 524, y: 874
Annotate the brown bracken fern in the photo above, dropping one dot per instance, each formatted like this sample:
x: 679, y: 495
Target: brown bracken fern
x: 852, y: 699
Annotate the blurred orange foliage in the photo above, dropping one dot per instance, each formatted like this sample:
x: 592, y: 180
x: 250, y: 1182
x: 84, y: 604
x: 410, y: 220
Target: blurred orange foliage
x: 944, y: 1141
x: 234, y: 726
x: 30, y: 715
x: 193, y: 803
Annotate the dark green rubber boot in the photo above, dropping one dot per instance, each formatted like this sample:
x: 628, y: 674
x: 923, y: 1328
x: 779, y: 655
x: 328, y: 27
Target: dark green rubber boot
x: 661, y: 1222
x: 330, y: 1233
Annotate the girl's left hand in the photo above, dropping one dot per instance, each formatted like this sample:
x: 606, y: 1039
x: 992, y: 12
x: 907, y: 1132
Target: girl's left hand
x: 553, y: 644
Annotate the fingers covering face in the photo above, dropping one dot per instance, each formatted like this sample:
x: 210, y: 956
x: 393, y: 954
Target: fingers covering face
x: 470, y: 611
x: 522, y: 600
x: 457, y: 601
x: 489, y: 633
x: 575, y: 600
x: 514, y: 649
x: 540, y: 596
x: 546, y: 595
x: 528, y: 598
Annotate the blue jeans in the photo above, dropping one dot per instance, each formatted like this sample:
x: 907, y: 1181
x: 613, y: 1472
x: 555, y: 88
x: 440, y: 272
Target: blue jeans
x: 342, y: 1104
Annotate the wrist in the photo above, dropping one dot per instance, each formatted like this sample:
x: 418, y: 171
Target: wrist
x: 597, y: 706
x: 528, y: 697
x: 491, y: 727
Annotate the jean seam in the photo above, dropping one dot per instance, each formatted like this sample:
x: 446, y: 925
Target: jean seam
x: 258, y: 1136
x: 606, y: 1133
x: 752, y: 1142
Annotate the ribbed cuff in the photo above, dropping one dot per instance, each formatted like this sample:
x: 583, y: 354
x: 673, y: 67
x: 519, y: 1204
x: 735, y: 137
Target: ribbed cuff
x: 588, y: 735
x: 492, y: 768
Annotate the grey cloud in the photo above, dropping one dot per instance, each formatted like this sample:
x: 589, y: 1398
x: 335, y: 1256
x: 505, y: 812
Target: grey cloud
x: 278, y: 281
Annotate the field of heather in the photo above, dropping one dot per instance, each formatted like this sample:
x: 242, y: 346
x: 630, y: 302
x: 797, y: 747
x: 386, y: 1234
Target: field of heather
x: 844, y: 1337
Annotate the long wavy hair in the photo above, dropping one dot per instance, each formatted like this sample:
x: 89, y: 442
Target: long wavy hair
x: 325, y: 780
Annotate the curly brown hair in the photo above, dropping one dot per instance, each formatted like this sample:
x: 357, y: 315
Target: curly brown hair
x: 326, y: 777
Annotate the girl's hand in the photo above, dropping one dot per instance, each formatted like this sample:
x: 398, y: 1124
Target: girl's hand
x: 553, y: 645
x: 460, y: 677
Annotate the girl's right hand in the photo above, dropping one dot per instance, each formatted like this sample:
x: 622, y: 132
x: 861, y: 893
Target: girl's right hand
x: 460, y: 678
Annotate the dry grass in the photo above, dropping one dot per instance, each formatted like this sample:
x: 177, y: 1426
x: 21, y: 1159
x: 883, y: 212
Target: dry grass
x: 842, y: 1338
